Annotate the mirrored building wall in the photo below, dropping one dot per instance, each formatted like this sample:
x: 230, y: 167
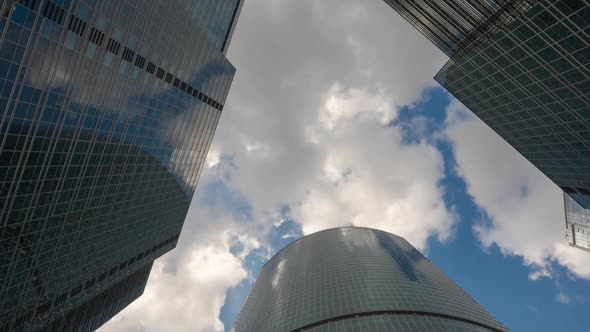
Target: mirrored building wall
x: 455, y: 26
x: 357, y: 279
x: 107, y: 111
x: 530, y: 82
x: 523, y: 67
x: 577, y: 224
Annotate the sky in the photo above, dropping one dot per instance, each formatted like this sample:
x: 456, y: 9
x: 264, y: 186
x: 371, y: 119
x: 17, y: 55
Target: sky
x: 334, y: 119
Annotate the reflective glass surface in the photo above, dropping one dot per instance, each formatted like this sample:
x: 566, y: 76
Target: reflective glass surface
x: 454, y: 26
x: 93, y: 313
x: 398, y: 322
x: 357, y: 279
x: 577, y: 224
x: 107, y: 110
x: 216, y: 16
x: 530, y: 82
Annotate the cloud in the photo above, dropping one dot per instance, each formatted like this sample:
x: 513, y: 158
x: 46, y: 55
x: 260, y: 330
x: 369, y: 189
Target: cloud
x: 369, y: 177
x: 307, y: 120
x: 289, y: 236
x: 562, y: 298
x: 279, y: 222
x: 187, y: 287
x: 187, y: 299
x: 342, y: 104
x: 307, y: 129
x: 525, y: 209
x: 306, y: 126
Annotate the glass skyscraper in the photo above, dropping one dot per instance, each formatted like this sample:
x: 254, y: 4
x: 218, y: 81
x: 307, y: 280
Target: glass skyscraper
x: 107, y: 110
x: 577, y: 224
x: 456, y: 26
x: 530, y: 82
x: 523, y: 67
x: 357, y: 279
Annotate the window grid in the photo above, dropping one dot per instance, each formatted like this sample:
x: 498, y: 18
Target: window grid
x: 530, y: 82
x: 99, y: 157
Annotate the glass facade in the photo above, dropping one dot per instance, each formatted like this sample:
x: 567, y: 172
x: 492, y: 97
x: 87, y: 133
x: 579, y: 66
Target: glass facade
x: 216, y: 16
x: 523, y: 67
x: 107, y: 110
x: 530, y: 82
x: 357, y: 279
x: 454, y: 26
x: 92, y: 314
x: 577, y: 224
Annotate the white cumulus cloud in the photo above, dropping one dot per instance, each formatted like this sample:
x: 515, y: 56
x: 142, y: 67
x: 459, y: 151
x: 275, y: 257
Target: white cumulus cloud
x: 306, y: 122
x: 186, y: 299
x: 525, y: 208
x: 187, y: 287
x: 305, y: 126
x: 369, y: 177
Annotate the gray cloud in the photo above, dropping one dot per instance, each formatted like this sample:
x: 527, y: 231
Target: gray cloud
x: 290, y: 56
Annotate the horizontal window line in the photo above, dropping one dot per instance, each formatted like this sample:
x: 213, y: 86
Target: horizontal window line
x: 392, y: 312
x: 56, y: 13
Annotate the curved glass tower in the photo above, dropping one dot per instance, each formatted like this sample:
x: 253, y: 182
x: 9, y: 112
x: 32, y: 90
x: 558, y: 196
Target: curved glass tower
x: 107, y: 110
x: 357, y: 279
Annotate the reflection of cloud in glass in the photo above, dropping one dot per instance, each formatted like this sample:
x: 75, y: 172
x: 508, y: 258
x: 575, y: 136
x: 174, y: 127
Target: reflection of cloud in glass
x: 279, y: 273
x: 168, y: 123
x: 109, y: 110
x: 218, y: 23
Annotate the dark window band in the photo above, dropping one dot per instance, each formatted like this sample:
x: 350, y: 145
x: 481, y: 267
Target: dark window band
x: 392, y: 312
x: 46, y: 307
x: 56, y: 13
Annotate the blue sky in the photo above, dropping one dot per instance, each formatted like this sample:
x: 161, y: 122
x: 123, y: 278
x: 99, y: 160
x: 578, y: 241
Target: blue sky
x: 333, y: 119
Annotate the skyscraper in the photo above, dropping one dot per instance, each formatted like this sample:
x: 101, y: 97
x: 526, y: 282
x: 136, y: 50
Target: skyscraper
x: 107, y: 110
x: 456, y: 26
x: 523, y: 67
x: 577, y: 224
x: 357, y: 279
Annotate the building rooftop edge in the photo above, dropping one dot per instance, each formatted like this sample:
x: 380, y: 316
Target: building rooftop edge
x: 325, y: 230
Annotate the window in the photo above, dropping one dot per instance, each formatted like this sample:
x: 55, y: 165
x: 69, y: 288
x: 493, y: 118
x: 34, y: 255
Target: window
x: 90, y: 283
x: 54, y: 12
x: 113, y: 46
x: 60, y: 299
x: 168, y: 78
x: 76, y: 291
x: 140, y: 61
x: 102, y: 276
x: 29, y: 3
x: 151, y: 68
x: 77, y: 25
x: 568, y: 190
x: 160, y: 73
x: 128, y: 54
x: 42, y: 309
